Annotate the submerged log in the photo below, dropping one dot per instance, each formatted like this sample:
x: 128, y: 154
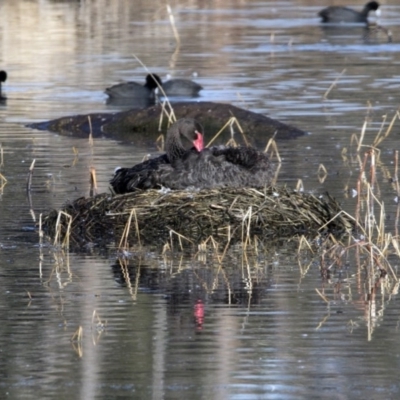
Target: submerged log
x: 143, y: 124
x: 227, y: 214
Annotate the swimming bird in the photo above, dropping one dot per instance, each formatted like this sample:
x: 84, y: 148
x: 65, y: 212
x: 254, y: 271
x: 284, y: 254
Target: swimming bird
x: 3, y: 78
x: 181, y: 87
x: 172, y: 87
x: 134, y: 89
x: 338, y: 14
x: 187, y: 164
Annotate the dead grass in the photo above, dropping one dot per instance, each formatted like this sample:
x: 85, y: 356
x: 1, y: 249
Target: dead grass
x: 226, y: 214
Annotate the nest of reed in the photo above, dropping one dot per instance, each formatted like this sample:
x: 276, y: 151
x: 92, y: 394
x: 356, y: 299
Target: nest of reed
x: 229, y: 214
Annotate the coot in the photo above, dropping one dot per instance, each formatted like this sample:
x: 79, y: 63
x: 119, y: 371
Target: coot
x: 181, y: 87
x: 134, y: 89
x: 3, y: 78
x: 187, y: 164
x: 173, y: 87
x: 337, y: 14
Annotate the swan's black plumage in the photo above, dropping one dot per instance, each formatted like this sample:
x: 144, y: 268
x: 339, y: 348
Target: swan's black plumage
x: 188, y: 165
x: 185, y: 136
x: 217, y: 167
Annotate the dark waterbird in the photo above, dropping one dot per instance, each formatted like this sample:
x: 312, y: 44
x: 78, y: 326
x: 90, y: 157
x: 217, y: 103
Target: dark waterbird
x: 187, y: 164
x: 134, y: 89
x: 337, y: 14
x: 3, y: 78
x: 181, y: 87
x: 173, y: 87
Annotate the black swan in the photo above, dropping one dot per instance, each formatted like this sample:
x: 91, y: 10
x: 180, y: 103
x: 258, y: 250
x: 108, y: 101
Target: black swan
x: 173, y: 87
x: 337, y: 14
x: 3, y: 78
x: 187, y: 164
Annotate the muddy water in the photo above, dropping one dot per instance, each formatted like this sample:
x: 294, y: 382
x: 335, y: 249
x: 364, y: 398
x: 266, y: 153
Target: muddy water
x: 184, y: 325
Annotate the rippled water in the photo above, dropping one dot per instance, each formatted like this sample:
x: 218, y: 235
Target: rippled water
x: 189, y: 324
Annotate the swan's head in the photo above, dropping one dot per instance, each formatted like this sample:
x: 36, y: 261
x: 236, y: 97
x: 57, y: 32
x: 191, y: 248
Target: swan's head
x: 182, y: 136
x: 191, y: 133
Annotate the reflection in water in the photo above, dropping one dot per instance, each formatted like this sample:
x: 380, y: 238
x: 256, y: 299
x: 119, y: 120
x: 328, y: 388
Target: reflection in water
x: 351, y: 35
x: 378, y: 34
x: 233, y: 286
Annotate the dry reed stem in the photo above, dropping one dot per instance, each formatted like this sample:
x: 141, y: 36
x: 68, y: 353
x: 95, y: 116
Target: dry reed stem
x: 384, y: 118
x: 362, y: 135
x: 322, y: 176
x: 322, y: 323
x: 125, y: 234
x: 299, y: 186
x: 354, y: 138
x: 93, y: 181
x: 31, y: 211
x: 78, y: 335
x: 58, y: 229
x: 342, y: 212
x: 91, y: 143
x: 65, y: 242
x: 180, y: 238
x: 166, y: 250
x: 3, y: 181
x: 272, y: 143
x: 304, y: 269
x: 215, y: 246
x: 30, y: 174
x: 380, y: 138
x: 323, y: 297
x: 380, y: 261
x: 173, y: 26
x: 1, y: 155
x: 76, y: 156
x: 303, y: 240
x: 162, y: 140
x: 133, y: 290
x: 333, y: 84
x: 170, y: 115
x: 233, y: 120
x: 396, y: 173
x: 372, y: 169
x: 395, y: 244
x: 376, y: 241
x: 246, y: 226
x: 237, y: 123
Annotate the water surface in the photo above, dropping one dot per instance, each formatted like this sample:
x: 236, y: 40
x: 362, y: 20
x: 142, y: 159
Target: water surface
x: 186, y: 324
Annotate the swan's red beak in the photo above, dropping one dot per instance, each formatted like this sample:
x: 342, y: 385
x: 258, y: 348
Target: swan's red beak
x: 198, y: 143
